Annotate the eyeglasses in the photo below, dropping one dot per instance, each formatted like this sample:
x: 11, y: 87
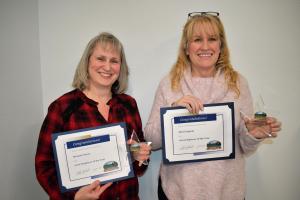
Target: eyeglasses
x: 193, y: 14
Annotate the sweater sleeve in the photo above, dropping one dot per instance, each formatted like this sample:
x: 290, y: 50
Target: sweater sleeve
x: 153, y: 127
x: 248, y: 143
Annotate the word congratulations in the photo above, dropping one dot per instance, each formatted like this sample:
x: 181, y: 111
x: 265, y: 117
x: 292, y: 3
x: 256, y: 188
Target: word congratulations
x: 195, y: 118
x: 88, y: 141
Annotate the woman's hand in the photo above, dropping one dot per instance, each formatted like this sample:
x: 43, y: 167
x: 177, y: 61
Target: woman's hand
x: 270, y: 129
x: 143, y: 153
x: 193, y: 104
x: 92, y: 191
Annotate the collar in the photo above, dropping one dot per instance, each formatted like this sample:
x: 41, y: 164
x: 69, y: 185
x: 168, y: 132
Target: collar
x: 114, y: 99
x: 218, y: 90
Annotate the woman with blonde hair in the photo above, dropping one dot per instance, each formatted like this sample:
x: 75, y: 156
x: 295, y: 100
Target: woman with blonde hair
x: 201, y: 75
x: 98, y: 99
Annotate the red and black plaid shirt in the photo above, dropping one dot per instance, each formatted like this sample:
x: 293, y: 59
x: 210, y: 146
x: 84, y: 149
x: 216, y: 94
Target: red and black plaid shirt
x: 74, y: 111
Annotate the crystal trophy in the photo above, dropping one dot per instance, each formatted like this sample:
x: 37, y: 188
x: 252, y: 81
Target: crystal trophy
x: 136, y: 146
x: 260, y: 117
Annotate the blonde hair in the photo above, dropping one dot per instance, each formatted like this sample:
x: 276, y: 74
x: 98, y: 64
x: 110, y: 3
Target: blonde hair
x: 81, y: 77
x: 223, y: 62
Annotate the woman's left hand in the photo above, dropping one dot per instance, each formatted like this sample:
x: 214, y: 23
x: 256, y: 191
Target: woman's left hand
x: 143, y: 153
x: 271, y: 129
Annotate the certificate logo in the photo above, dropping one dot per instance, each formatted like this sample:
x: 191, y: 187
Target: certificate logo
x: 110, y: 166
x: 213, y: 145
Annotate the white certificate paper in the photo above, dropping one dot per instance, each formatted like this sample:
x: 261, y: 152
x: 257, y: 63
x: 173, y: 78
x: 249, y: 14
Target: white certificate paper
x: 208, y: 135
x: 85, y: 155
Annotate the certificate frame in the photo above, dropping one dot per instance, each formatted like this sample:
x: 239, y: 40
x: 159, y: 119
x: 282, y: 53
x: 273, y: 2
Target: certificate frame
x: 85, y: 155
x: 177, y: 147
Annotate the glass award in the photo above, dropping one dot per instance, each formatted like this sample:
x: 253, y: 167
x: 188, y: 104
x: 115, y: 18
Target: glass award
x: 136, y: 146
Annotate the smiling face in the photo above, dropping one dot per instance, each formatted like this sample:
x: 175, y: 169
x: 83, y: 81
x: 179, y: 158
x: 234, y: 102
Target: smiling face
x: 203, y: 50
x: 104, y: 67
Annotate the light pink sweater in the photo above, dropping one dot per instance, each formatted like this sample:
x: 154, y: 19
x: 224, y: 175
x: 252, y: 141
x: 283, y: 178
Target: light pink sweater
x: 211, y: 180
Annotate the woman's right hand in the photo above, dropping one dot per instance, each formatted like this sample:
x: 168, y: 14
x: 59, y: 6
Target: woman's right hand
x: 192, y: 103
x: 91, y: 192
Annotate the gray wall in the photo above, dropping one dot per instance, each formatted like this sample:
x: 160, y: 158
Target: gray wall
x: 21, y: 99
x: 42, y: 41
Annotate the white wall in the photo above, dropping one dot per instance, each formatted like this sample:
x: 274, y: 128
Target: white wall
x: 21, y: 110
x: 264, y: 40
x: 263, y: 37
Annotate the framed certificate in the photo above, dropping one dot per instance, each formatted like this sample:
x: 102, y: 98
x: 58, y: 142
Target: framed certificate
x: 206, y: 136
x: 85, y: 155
